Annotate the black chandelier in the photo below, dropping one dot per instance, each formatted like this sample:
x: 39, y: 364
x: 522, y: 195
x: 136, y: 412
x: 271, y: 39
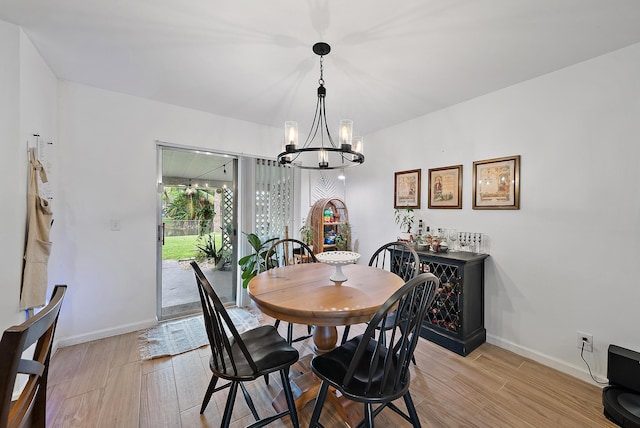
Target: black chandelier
x: 326, y: 155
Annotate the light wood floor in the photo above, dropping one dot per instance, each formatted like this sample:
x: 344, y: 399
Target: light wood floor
x: 105, y: 384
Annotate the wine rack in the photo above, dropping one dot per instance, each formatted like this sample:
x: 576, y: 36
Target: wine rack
x: 455, y: 320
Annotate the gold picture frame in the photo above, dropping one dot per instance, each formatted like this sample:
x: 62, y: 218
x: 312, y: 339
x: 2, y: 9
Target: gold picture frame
x: 406, y: 189
x: 496, y: 184
x: 445, y: 187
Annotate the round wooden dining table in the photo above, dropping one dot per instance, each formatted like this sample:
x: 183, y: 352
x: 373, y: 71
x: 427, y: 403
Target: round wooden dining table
x: 304, y: 294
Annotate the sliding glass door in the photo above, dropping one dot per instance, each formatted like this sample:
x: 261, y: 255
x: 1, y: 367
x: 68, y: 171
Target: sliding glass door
x: 196, y: 221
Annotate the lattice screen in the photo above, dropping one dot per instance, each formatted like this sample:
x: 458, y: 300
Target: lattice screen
x: 227, y: 219
x: 274, y: 198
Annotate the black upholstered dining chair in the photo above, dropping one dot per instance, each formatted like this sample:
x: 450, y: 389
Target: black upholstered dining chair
x: 29, y: 409
x: 286, y: 252
x: 242, y: 357
x: 365, y: 370
x: 396, y: 257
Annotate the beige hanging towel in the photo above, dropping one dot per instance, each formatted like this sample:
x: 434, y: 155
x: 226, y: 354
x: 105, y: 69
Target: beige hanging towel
x: 36, y: 257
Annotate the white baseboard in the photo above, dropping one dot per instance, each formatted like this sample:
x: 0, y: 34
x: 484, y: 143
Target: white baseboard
x: 546, y: 360
x: 101, y: 334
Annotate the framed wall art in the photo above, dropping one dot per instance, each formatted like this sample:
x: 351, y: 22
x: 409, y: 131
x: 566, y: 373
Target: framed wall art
x: 496, y: 184
x: 445, y: 187
x: 406, y: 189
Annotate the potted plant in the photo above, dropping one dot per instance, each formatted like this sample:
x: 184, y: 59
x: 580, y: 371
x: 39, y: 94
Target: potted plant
x: 421, y: 243
x: 404, y: 219
x: 306, y: 234
x: 254, y: 263
x: 207, y: 250
x: 343, y: 237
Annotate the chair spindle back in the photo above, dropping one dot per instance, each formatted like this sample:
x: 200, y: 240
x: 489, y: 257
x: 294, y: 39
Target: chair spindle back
x: 220, y: 329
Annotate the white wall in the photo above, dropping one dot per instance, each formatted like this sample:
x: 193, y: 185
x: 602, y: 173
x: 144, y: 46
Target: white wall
x: 566, y: 260
x: 28, y: 105
x: 12, y: 195
x: 107, y: 164
x: 38, y: 115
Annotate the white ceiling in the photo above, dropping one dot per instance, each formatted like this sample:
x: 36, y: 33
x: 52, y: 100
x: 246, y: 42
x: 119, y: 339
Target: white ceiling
x: 184, y: 167
x: 252, y: 60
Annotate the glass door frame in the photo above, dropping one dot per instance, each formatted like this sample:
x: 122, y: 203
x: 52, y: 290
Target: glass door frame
x: 160, y: 146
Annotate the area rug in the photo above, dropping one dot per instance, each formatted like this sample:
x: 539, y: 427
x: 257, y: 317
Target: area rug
x: 186, y: 334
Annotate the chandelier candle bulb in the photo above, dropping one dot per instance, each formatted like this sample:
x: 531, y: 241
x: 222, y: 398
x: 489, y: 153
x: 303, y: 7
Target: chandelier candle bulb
x: 358, y: 143
x: 346, y: 131
x: 291, y: 135
x: 323, y: 159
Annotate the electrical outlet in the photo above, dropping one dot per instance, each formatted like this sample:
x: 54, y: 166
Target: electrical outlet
x: 586, y: 340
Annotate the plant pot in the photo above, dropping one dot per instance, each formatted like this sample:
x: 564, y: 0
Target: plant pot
x: 404, y: 236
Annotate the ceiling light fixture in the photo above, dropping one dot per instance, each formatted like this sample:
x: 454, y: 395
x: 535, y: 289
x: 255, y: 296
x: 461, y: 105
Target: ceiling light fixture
x: 326, y: 155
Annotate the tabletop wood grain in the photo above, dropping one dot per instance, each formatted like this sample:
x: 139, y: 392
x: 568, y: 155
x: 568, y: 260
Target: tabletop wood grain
x: 304, y: 294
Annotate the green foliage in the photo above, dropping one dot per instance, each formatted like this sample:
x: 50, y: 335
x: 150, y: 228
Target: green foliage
x: 404, y: 218
x: 208, y: 248
x: 343, y: 237
x: 191, y: 204
x: 306, y: 233
x: 205, y: 214
x: 254, y: 263
x: 176, y: 205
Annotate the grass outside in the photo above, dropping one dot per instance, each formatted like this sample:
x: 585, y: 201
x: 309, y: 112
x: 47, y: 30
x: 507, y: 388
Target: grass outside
x: 184, y: 247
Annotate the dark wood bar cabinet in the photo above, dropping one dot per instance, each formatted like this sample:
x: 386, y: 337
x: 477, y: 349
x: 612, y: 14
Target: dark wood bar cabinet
x: 456, y: 318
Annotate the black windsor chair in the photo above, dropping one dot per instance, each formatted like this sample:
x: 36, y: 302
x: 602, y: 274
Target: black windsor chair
x: 365, y: 370
x: 396, y: 257
x: 287, y: 252
x: 242, y: 357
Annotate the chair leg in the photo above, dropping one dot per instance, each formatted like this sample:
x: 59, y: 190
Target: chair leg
x: 276, y: 324
x: 345, y: 334
x: 286, y: 385
x: 209, y: 393
x: 322, y: 395
x: 368, y: 415
x: 290, y: 333
x: 39, y: 412
x: 408, y: 401
x: 249, y: 401
x: 228, y: 408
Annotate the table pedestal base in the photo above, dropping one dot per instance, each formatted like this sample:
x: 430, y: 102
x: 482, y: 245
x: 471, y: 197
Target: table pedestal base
x: 324, y: 339
x: 305, y: 386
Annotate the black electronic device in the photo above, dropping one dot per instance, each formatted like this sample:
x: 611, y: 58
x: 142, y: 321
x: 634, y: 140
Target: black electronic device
x: 621, y: 399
